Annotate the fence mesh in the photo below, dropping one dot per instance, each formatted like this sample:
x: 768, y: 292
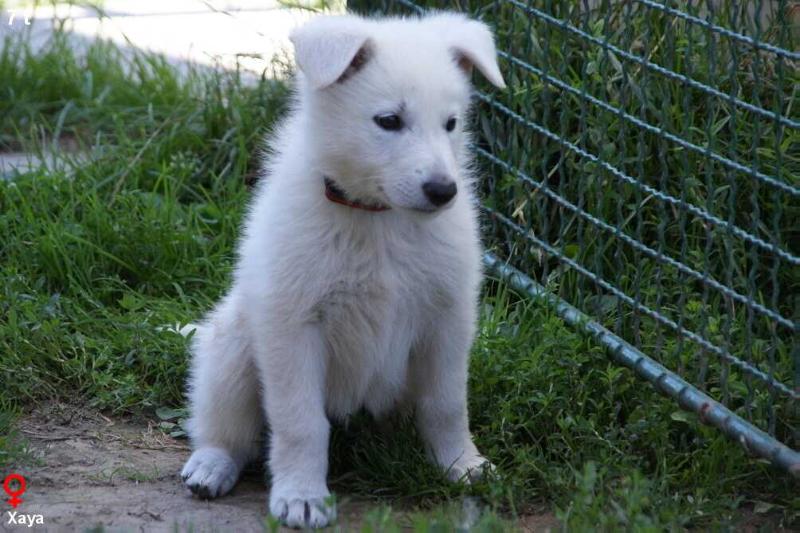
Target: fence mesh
x: 644, y: 165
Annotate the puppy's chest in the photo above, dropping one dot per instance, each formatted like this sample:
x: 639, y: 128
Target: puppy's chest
x: 371, y: 318
x: 369, y: 292
x: 386, y: 272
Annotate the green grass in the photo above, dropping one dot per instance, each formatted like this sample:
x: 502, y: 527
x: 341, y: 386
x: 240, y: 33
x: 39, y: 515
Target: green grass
x: 97, y: 258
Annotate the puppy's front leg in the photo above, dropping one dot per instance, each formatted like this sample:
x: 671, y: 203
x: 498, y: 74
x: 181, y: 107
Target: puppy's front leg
x: 294, y: 379
x: 440, y: 385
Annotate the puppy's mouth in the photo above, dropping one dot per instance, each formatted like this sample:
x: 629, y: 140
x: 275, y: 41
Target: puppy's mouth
x: 424, y: 208
x: 431, y: 209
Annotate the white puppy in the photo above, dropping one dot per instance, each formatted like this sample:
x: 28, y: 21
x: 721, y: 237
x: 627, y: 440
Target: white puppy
x: 358, y: 273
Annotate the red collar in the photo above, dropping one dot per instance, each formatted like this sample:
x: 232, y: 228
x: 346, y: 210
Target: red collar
x: 335, y: 194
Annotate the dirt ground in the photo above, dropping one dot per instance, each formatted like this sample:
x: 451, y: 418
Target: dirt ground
x: 87, y: 470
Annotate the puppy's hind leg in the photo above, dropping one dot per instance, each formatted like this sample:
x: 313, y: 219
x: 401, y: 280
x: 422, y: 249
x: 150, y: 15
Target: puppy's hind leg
x: 225, y: 413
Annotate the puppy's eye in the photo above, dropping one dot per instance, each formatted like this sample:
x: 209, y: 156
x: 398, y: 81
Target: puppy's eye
x: 450, y: 125
x: 390, y: 122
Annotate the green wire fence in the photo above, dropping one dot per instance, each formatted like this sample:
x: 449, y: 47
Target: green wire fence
x: 642, y: 173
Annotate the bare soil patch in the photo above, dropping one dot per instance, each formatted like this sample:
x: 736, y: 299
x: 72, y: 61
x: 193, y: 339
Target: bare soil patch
x: 86, y: 470
x: 89, y: 470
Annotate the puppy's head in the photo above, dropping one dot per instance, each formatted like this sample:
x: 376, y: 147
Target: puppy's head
x: 385, y: 103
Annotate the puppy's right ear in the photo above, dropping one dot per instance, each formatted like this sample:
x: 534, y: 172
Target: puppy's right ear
x: 328, y: 49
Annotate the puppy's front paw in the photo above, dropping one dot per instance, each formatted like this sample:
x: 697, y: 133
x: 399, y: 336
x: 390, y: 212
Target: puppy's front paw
x: 469, y: 469
x: 210, y: 472
x: 301, y: 508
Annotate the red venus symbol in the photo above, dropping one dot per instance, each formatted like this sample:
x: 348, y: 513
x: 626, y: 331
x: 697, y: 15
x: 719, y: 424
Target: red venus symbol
x: 15, y: 500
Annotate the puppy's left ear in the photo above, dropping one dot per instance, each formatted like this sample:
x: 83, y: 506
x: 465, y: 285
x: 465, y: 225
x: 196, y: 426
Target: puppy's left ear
x: 472, y: 44
x: 328, y: 48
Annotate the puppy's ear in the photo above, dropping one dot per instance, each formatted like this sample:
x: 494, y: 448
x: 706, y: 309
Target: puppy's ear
x: 328, y: 49
x: 472, y: 45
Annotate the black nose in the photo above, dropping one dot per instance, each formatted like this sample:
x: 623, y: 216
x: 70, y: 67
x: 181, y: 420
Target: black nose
x: 439, y: 190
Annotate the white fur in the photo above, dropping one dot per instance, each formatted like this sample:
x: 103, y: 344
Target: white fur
x: 332, y: 308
